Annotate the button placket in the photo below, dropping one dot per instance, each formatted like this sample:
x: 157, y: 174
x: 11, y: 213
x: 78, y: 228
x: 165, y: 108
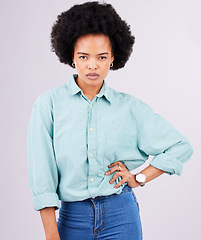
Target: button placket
x: 92, y: 146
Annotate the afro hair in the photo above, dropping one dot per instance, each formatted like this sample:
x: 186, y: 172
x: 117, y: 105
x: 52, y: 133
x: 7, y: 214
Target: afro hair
x: 91, y: 18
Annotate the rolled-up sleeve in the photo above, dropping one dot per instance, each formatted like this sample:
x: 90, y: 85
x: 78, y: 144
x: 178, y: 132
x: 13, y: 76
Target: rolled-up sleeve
x: 42, y: 167
x: 157, y: 137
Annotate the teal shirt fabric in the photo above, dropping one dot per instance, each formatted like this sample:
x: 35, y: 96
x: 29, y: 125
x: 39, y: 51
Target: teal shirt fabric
x: 72, y: 140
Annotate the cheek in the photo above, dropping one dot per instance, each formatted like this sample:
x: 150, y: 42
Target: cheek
x: 107, y: 66
x: 79, y: 64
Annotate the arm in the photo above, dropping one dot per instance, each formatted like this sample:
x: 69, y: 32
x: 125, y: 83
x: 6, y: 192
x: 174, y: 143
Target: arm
x: 49, y: 223
x: 150, y: 172
x: 42, y: 165
x: 158, y: 138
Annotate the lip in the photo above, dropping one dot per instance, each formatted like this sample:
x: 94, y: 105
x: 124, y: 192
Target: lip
x: 92, y: 76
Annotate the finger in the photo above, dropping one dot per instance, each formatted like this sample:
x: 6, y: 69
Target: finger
x: 115, y: 168
x: 123, y: 175
x: 116, y: 163
x: 120, y: 183
x: 119, y: 174
x: 116, y: 175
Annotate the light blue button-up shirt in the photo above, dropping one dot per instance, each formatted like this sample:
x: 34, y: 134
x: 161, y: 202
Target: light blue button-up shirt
x: 72, y: 140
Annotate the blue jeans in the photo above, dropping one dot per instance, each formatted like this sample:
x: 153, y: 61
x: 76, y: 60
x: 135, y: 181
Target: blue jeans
x: 115, y: 216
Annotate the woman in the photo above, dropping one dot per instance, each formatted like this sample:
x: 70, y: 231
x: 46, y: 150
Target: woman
x: 84, y: 137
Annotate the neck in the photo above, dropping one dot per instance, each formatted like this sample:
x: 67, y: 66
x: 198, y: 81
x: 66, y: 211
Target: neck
x: 89, y: 90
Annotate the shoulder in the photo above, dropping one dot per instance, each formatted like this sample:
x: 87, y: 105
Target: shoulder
x: 48, y: 97
x: 133, y: 101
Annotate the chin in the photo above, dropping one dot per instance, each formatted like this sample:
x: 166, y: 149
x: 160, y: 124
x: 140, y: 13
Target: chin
x: 96, y: 81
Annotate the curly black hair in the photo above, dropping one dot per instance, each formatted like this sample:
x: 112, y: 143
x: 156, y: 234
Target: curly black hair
x: 91, y: 18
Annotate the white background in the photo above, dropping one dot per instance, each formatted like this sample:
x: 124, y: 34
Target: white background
x: 163, y: 70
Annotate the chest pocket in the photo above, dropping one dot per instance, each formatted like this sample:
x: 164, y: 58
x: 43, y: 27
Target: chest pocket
x: 120, y: 132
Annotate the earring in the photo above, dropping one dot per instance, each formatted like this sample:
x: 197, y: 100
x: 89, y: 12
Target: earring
x: 73, y: 64
x: 111, y: 65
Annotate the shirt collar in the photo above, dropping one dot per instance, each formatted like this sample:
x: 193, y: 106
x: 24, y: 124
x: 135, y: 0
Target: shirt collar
x: 73, y: 88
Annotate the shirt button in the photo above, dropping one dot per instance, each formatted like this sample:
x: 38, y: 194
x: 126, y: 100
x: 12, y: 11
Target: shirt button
x: 91, y: 155
x: 90, y: 105
x: 92, y: 179
x: 91, y: 129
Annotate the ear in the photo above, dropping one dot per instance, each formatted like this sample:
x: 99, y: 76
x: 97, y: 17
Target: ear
x: 112, y: 57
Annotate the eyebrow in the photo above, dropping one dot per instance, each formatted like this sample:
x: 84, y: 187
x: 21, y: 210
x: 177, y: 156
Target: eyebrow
x: 88, y: 54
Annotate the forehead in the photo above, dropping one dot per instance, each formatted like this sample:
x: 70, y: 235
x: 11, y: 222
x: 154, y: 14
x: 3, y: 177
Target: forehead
x: 92, y: 41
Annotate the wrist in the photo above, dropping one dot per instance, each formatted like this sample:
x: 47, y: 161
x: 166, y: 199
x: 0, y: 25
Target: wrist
x: 140, y: 178
x: 133, y: 183
x: 54, y: 237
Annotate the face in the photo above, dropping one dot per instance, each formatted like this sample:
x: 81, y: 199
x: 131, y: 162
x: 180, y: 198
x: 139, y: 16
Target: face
x: 92, y: 55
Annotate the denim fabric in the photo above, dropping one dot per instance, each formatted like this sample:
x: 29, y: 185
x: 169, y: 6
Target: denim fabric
x: 116, y: 216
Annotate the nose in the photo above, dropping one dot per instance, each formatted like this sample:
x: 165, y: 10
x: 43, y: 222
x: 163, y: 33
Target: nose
x: 92, y: 64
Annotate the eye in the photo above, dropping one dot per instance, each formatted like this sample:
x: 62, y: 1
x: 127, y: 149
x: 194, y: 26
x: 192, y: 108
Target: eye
x: 83, y: 57
x: 103, y: 57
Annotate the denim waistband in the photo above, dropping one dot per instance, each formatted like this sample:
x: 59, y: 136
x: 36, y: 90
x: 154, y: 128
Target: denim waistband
x: 126, y: 188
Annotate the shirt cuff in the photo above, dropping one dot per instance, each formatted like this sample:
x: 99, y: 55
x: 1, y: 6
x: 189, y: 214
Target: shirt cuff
x: 46, y: 200
x: 166, y: 163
